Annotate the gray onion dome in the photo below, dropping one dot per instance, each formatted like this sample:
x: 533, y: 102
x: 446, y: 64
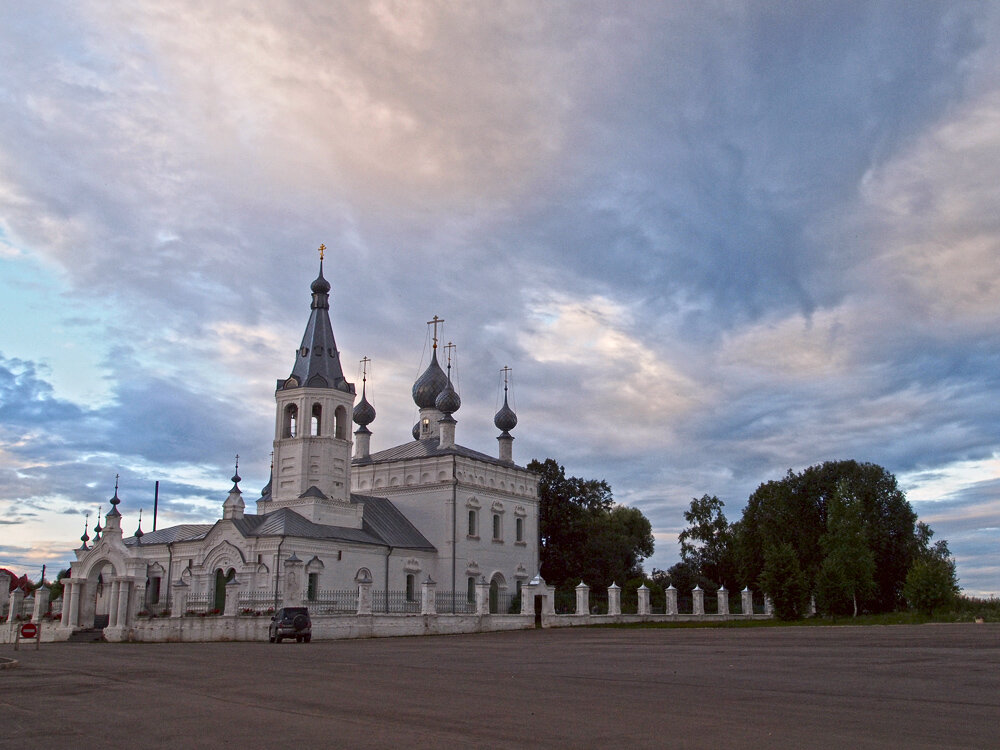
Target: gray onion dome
x: 416, y: 431
x: 364, y: 412
x: 505, y: 419
x: 320, y: 285
x: 429, y: 385
x: 448, y: 400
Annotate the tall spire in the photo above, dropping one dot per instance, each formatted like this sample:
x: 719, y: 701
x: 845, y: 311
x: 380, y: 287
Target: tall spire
x: 114, y: 501
x: 505, y: 420
x: 317, y: 362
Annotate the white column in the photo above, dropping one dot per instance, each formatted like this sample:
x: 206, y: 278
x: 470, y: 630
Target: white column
x: 232, y: 598
x: 16, y: 599
x: 69, y: 591
x: 178, y: 602
x: 723, y: 598
x: 116, y: 590
x: 768, y: 606
x: 614, y: 599
x: 41, y: 603
x: 671, y: 595
x: 747, y: 601
x: 124, y: 591
x: 74, y: 609
x: 698, y: 600
x: 583, y: 599
x: 643, y: 594
x: 428, y: 597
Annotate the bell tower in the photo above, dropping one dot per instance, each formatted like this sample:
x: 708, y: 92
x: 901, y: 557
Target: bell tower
x: 312, y: 437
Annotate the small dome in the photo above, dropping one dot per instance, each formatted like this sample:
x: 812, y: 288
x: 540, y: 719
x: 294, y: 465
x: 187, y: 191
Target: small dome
x: 448, y: 400
x: 505, y: 419
x: 429, y: 385
x: 320, y: 285
x: 364, y: 413
x: 416, y: 431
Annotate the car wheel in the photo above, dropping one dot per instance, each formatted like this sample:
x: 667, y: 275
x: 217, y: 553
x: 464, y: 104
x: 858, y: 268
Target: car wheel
x: 307, y: 638
x: 298, y: 639
x: 277, y: 638
x: 271, y: 638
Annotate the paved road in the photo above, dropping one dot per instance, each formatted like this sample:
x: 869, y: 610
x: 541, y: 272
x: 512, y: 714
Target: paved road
x: 903, y: 686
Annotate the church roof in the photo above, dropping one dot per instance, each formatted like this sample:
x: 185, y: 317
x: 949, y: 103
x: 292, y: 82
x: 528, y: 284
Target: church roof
x: 382, y: 524
x: 427, y: 448
x: 317, y: 362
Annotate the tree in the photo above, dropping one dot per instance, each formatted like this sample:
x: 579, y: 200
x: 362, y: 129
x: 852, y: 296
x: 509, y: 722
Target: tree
x: 584, y: 535
x: 848, y: 570
x: 794, y: 511
x: 707, y: 543
x: 782, y: 579
x: 931, y: 581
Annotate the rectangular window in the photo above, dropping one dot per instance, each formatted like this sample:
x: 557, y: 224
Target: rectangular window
x: 154, y: 590
x: 410, y: 593
x: 471, y: 597
x: 313, y: 588
x: 497, y: 530
x: 519, y: 529
x: 473, y: 526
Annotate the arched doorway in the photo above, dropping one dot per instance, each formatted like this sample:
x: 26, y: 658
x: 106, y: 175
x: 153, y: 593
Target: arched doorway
x: 101, y: 576
x: 221, y: 579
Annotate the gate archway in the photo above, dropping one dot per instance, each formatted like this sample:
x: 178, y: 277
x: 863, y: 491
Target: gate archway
x: 221, y: 579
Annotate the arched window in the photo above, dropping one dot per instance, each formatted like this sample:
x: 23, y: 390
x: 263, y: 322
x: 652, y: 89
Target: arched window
x: 410, y: 593
x: 317, y: 417
x: 341, y: 418
x: 473, y: 524
x: 291, y: 421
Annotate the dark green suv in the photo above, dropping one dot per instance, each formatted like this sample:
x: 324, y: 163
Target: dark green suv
x: 290, y: 622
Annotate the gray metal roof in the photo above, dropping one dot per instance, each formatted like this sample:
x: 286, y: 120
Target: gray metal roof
x: 427, y: 448
x: 317, y: 362
x: 382, y: 524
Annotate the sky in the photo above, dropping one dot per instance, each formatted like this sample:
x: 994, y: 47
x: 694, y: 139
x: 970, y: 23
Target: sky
x: 714, y: 241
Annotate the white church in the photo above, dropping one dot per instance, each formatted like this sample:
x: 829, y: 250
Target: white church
x: 333, y: 515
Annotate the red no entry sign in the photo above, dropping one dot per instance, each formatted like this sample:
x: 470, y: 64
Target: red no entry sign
x: 29, y: 630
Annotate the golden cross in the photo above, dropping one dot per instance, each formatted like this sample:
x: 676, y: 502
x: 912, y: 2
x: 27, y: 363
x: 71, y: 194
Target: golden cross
x: 322, y: 250
x: 448, y: 347
x: 435, y: 324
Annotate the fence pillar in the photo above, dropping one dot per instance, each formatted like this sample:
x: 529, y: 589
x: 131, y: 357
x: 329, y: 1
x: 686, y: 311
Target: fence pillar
x: 428, y: 597
x: 232, y: 598
x: 768, y: 606
x: 179, y: 600
x: 583, y: 599
x: 722, y: 596
x: 78, y: 590
x: 812, y: 606
x: 16, y: 599
x: 671, y: 597
x: 116, y: 590
x: 69, y: 594
x: 614, y: 599
x: 364, y: 597
x: 698, y: 600
x: 124, y: 595
x: 643, y: 603
x: 41, y: 602
x: 483, y: 597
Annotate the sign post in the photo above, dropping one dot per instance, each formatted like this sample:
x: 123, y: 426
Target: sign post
x: 28, y: 631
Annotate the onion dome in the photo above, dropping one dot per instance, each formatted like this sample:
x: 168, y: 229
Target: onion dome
x: 430, y: 385
x: 505, y: 419
x: 320, y: 285
x: 85, y: 538
x: 448, y: 400
x: 364, y: 412
x: 97, y: 527
x: 416, y: 431
x: 138, y: 532
x: 114, y: 501
x: 236, y: 480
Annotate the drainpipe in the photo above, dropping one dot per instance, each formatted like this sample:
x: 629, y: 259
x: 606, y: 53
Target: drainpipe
x: 454, y: 527
x: 387, y: 554
x: 277, y: 572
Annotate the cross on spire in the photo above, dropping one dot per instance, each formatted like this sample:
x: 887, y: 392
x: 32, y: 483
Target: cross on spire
x: 364, y: 368
x: 506, y: 371
x: 448, y: 348
x: 435, y: 324
x: 322, y: 251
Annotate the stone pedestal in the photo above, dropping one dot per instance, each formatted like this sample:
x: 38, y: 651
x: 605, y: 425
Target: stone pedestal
x: 232, y: 598
x: 722, y: 597
x: 643, y: 594
x: 482, y: 597
x: 178, y: 599
x: 614, y: 599
x: 671, y: 596
x: 583, y: 599
x: 698, y: 601
x: 746, y: 597
x: 768, y: 606
x: 14, y: 604
x: 428, y: 597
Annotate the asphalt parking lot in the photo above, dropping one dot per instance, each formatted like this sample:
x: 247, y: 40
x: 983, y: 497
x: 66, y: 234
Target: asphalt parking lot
x: 902, y: 686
